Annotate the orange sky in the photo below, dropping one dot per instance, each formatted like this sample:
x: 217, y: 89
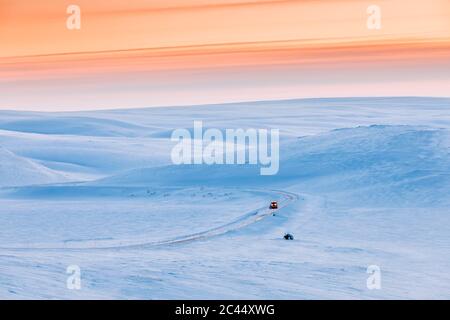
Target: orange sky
x: 141, y: 53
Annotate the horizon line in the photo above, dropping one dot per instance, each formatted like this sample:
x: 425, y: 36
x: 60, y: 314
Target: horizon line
x: 224, y: 104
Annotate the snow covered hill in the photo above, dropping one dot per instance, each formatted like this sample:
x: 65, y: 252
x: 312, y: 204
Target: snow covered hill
x: 20, y: 171
x: 400, y: 165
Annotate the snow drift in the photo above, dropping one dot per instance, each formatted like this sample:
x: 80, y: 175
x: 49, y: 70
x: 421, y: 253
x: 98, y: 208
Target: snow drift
x: 19, y: 171
x: 400, y: 165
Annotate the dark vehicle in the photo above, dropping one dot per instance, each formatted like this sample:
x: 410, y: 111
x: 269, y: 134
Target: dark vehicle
x: 288, y: 236
x: 274, y: 205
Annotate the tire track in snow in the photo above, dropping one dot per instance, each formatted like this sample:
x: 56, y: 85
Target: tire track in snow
x: 247, y: 219
x: 241, y: 222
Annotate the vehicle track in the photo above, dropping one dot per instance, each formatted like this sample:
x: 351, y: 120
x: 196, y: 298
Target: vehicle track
x: 241, y: 222
x: 247, y: 219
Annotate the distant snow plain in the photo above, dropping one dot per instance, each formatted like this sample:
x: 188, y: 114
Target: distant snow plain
x: 362, y: 182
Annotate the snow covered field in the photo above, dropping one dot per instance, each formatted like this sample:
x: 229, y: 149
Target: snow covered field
x: 362, y: 181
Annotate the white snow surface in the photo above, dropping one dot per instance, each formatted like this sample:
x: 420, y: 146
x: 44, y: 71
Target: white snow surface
x: 362, y: 182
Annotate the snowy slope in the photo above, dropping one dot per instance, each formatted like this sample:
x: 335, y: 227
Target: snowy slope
x: 378, y: 164
x: 54, y: 124
x: 19, y: 171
